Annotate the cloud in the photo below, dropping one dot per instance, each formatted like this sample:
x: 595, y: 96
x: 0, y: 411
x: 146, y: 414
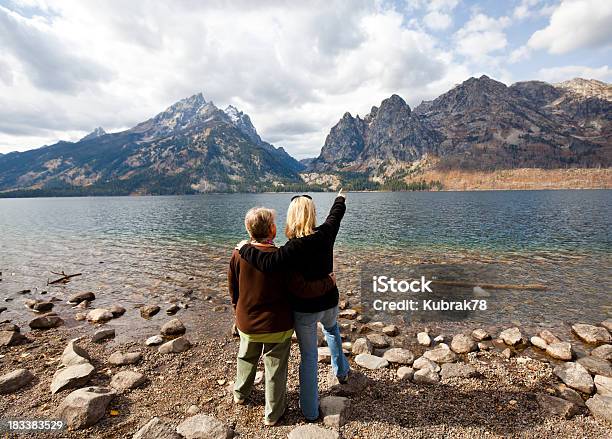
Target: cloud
x: 437, y: 21
x: 481, y: 35
x: 573, y: 25
x: 559, y: 74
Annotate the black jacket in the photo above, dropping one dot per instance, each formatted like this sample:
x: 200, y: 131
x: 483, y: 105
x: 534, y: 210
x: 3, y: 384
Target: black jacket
x: 312, y: 256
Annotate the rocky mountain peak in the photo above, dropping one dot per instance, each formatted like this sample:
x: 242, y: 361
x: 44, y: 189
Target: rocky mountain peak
x: 98, y: 132
x: 243, y: 122
x: 589, y: 88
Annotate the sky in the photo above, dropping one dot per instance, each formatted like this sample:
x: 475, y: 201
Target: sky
x: 69, y: 66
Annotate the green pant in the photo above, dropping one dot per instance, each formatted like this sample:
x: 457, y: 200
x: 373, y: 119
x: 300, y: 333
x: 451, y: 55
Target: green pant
x: 276, y: 362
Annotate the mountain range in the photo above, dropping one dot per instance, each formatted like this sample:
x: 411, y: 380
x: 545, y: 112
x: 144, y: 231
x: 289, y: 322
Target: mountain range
x: 480, y: 125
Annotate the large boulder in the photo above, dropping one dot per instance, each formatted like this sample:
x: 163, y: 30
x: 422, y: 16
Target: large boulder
x: 592, y: 334
x: 603, y: 351
x: 556, y: 407
x: 371, y: 361
x: 399, y: 356
x: 457, y: 370
x: 204, y: 427
x: 311, y: 432
x: 99, y: 315
x: 175, y: 346
x: 335, y: 410
x: 379, y: 341
x: 405, y: 373
x: 425, y: 376
x: 511, y: 336
x: 71, y: 376
x: 561, y: 351
x: 575, y: 376
x: 425, y: 363
x: 15, y: 380
x: 156, y: 429
x: 601, y: 407
x: 47, y: 321
x: 603, y: 385
x: 462, y: 344
x: 596, y: 366
x: 362, y: 346
x: 84, y: 407
x: 441, y: 354
x: 74, y: 354
x: 121, y: 359
x: 127, y: 380
x: 75, y: 299
x: 356, y: 384
x: 173, y: 327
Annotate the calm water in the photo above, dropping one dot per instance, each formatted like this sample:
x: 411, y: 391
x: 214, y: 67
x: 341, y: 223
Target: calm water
x: 138, y: 249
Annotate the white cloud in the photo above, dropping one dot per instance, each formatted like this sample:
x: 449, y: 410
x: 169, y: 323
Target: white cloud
x: 295, y: 68
x: 481, y: 35
x: 575, y: 24
x: 437, y: 20
x: 559, y: 74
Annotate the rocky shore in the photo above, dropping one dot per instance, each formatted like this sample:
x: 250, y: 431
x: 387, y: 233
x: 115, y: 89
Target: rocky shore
x: 407, y: 381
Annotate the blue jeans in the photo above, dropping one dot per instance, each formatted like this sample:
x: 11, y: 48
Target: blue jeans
x: 306, y: 331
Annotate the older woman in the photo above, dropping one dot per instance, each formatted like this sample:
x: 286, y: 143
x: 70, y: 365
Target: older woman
x: 309, y: 251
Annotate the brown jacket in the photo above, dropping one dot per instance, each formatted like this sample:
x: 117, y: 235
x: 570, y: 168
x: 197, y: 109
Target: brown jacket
x: 262, y: 301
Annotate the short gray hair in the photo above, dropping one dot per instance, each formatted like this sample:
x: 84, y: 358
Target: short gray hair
x: 258, y: 222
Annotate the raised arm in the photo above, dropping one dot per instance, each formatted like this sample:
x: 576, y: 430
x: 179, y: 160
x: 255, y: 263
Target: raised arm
x: 336, y: 213
x: 281, y: 259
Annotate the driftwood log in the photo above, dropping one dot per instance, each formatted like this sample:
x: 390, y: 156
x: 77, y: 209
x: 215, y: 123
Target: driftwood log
x: 63, y: 279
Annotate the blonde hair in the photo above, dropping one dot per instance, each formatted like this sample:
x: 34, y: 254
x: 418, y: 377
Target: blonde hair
x: 301, y: 217
x: 259, y: 221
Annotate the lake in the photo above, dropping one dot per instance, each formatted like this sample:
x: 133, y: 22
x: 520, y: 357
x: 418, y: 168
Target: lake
x: 134, y: 250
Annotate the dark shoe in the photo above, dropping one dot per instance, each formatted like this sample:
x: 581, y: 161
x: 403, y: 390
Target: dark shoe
x: 345, y: 378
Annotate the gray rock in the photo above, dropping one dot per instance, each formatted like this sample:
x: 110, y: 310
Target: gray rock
x: 99, y: 315
x: 357, y: 382
x: 601, y: 407
x: 80, y: 297
x: 42, y: 306
x: 175, y: 346
x: 361, y: 346
x: 335, y: 410
x: 154, y: 340
x: 103, y: 334
x: 423, y: 339
x: 575, y: 376
x: 11, y: 338
x: 399, y: 356
x: 462, y: 344
x: 549, y: 337
x: 439, y: 339
x: 604, y: 385
x: 538, y: 342
x: 425, y: 363
x: 556, y: 407
x: 74, y: 354
x: 560, y: 351
x: 71, y: 376
x: 127, y: 380
x: 378, y: 341
x: 603, y: 351
x: 120, y: 359
x: 204, y: 427
x: 348, y: 314
x: 426, y: 376
x: 80, y: 316
x: 390, y: 330
x: 607, y: 324
x: 592, y: 334
x: 511, y: 336
x: 156, y: 429
x: 371, y: 362
x: 324, y: 355
x: 173, y: 327
x: 172, y: 309
x: 311, y: 432
x: 596, y: 366
x: 149, y: 311
x: 441, y: 354
x: 405, y: 373
x: 570, y: 394
x: 117, y: 310
x: 457, y: 370
x: 480, y: 334
x: 10, y: 327
x: 46, y: 322
x: 15, y: 380
x: 84, y: 407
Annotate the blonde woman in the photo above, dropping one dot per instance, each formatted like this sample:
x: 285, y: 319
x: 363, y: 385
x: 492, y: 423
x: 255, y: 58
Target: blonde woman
x: 309, y: 251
